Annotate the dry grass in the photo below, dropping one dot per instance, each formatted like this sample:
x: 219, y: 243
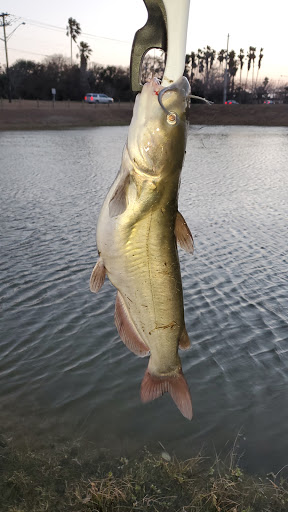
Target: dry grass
x: 246, y: 115
x: 42, y: 115
x: 60, y: 480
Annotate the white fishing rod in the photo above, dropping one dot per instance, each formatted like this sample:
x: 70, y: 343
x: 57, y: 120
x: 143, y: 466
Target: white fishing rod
x: 177, y: 12
x: 166, y: 29
x: 177, y: 16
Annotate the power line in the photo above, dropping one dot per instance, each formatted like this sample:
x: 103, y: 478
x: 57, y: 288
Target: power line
x: 42, y: 24
x: 25, y: 51
x: 48, y: 26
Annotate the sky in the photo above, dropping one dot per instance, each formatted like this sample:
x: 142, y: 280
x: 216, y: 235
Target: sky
x: 108, y: 26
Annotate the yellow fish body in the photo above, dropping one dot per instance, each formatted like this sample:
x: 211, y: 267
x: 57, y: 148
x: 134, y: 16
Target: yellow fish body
x: 137, y: 231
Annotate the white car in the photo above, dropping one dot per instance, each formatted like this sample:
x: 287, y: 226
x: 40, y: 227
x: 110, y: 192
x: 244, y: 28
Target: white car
x: 91, y: 97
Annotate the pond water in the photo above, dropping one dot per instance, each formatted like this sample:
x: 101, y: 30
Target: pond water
x: 64, y: 370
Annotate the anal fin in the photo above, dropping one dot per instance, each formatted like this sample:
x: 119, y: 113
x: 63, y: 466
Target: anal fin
x: 98, y: 276
x: 126, y: 329
x: 183, y: 234
x: 184, y: 342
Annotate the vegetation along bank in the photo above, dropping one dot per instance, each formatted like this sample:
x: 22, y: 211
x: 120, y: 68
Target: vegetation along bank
x: 62, y: 479
x: 33, y: 114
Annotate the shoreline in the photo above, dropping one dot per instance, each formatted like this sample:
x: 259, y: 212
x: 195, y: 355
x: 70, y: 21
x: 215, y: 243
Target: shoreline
x: 62, y: 477
x: 41, y: 115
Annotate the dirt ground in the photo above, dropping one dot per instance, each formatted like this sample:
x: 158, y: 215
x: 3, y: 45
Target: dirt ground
x: 30, y: 115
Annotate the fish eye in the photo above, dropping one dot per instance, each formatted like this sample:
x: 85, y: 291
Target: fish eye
x: 171, y: 118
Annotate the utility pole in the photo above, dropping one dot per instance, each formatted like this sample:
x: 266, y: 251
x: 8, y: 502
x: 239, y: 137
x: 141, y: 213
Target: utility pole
x: 225, y: 74
x: 4, y: 24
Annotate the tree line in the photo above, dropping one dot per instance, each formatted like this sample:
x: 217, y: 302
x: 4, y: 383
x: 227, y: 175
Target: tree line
x: 34, y: 80
x: 202, y: 61
x: 205, y: 70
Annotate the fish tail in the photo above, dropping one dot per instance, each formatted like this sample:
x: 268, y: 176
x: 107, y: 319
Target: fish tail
x: 153, y: 386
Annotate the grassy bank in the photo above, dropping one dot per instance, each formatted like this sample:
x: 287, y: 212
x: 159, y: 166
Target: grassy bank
x: 41, y: 115
x: 35, y: 115
x: 247, y: 115
x: 63, y: 479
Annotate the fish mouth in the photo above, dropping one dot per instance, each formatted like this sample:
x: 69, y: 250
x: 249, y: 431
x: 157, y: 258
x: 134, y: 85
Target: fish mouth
x: 155, y: 85
x: 157, y: 89
x: 180, y: 87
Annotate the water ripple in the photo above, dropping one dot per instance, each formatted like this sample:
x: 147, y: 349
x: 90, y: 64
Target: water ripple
x: 61, y: 361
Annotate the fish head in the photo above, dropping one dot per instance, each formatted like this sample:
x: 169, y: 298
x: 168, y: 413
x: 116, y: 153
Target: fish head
x: 158, y: 130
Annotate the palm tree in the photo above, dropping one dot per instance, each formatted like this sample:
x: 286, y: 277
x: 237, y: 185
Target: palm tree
x: 193, y: 65
x: 190, y: 65
x: 241, y: 58
x: 73, y: 30
x: 232, y: 67
x: 208, y: 57
x: 253, y: 57
x: 187, y: 64
x: 207, y: 53
x: 249, y: 57
x: 221, y: 58
x: 85, y: 52
x: 200, y: 58
x: 259, y: 64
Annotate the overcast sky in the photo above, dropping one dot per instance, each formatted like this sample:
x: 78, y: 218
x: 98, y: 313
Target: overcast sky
x: 108, y: 26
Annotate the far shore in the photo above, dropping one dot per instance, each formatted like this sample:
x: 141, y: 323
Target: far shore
x: 41, y: 115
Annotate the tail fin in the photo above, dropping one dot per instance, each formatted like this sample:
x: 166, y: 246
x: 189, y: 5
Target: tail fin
x: 152, y: 387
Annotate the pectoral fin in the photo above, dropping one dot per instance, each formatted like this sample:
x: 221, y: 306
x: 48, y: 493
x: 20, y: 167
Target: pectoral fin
x: 117, y: 204
x: 183, y: 234
x: 127, y: 330
x: 97, y: 276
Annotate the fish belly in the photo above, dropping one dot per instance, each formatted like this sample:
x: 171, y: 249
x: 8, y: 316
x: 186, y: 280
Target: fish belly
x: 141, y: 261
x: 138, y: 252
